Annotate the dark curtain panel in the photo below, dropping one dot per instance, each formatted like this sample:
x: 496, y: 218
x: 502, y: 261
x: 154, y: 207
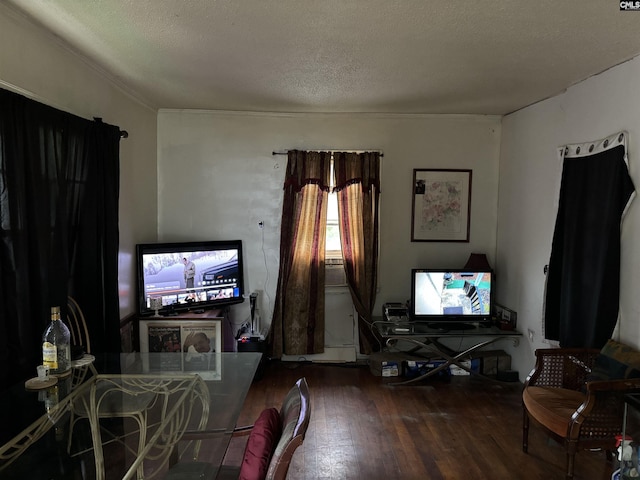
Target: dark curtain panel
x: 583, y: 280
x: 297, y: 326
x: 59, y: 187
x: 358, y: 188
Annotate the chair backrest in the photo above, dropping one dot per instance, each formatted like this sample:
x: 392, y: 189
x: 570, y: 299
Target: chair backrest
x: 295, y: 414
x: 77, y: 325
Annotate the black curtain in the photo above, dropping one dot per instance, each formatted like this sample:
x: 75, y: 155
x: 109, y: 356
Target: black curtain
x: 583, y: 280
x: 59, y: 187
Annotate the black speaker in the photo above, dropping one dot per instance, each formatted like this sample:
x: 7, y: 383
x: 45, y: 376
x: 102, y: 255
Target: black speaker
x: 255, y: 346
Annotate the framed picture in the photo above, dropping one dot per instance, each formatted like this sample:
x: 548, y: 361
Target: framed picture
x: 198, y: 341
x: 187, y: 336
x: 441, y: 205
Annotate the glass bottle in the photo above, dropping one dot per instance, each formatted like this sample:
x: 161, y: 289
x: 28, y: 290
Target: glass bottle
x: 56, y: 345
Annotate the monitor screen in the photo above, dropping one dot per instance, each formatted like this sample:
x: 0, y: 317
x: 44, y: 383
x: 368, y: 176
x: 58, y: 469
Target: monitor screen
x: 189, y: 275
x: 451, y: 295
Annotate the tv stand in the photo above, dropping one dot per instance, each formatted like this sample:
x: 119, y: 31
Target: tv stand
x: 450, y: 326
x: 425, y: 340
x: 227, y: 340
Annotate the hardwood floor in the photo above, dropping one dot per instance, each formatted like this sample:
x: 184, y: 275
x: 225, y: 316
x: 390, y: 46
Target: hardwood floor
x: 363, y: 428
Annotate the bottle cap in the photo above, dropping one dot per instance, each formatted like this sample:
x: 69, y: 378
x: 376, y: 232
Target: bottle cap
x: 55, y: 309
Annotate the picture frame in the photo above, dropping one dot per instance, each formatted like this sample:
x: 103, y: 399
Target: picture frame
x: 160, y: 335
x: 441, y: 205
x: 197, y: 354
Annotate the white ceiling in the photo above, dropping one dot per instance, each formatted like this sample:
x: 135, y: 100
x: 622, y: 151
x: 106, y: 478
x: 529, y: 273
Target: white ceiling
x: 397, y: 56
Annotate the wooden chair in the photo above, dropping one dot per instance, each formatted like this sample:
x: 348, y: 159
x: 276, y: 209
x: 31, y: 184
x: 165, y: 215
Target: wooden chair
x: 273, y: 439
x: 579, y: 412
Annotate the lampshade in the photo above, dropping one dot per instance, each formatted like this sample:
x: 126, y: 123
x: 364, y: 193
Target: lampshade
x: 477, y: 261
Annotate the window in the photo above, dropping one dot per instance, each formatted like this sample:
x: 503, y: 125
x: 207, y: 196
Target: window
x: 334, y: 269
x: 333, y: 249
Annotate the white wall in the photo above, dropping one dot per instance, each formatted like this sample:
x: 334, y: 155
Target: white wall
x: 218, y: 179
x: 530, y: 173
x: 36, y: 65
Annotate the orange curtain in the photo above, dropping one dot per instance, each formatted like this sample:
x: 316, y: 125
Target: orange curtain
x: 297, y: 327
x: 358, y: 187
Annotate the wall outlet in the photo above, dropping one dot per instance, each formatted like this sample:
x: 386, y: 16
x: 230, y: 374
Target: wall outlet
x: 531, y: 334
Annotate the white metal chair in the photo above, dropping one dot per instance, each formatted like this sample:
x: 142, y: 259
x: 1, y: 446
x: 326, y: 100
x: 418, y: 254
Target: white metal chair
x: 79, y: 339
x: 171, y: 398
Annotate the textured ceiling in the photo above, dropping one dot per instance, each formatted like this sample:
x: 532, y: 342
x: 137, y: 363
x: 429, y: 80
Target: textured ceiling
x: 403, y: 56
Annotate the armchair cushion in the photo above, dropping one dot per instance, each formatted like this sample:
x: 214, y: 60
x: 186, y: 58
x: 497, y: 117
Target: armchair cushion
x: 260, y: 446
x: 552, y: 407
x: 616, y: 361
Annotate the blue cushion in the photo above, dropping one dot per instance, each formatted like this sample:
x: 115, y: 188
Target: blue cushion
x: 616, y: 361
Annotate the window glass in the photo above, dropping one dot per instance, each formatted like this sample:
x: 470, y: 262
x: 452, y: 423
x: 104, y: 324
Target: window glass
x: 333, y: 248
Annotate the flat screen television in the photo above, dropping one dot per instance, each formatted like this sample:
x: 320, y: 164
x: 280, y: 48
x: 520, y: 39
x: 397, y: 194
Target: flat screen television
x: 452, y: 298
x: 189, y: 275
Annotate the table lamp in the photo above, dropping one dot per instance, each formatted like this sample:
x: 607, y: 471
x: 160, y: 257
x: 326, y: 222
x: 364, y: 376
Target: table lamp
x: 477, y: 261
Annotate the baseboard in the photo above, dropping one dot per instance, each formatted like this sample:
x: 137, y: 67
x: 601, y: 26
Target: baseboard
x: 330, y: 355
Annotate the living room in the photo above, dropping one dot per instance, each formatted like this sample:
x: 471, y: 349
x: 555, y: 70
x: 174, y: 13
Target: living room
x: 197, y: 174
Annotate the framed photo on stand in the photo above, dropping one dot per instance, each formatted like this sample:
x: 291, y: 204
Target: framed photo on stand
x: 441, y: 205
x: 199, y: 343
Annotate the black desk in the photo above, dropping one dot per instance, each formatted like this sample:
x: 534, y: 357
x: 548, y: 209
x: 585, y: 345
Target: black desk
x: 423, y: 337
x: 36, y: 425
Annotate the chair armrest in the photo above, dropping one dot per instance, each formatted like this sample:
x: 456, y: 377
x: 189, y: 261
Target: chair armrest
x: 204, y: 434
x: 624, y: 385
x: 562, y: 367
x: 242, y: 431
x: 600, y: 415
x: 216, y: 432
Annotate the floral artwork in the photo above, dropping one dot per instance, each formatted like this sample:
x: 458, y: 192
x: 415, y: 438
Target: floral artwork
x: 441, y: 201
x: 441, y: 208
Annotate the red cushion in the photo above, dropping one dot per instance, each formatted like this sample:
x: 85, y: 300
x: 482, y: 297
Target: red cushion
x: 261, y: 444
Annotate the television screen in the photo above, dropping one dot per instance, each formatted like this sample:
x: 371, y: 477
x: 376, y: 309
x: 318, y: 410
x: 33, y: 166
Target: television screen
x: 189, y: 275
x: 451, y: 295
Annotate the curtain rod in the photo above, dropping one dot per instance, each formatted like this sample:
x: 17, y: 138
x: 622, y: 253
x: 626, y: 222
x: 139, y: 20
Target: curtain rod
x: 123, y: 133
x: 286, y: 152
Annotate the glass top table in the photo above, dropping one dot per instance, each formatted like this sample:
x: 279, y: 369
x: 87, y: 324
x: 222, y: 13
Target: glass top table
x: 127, y: 418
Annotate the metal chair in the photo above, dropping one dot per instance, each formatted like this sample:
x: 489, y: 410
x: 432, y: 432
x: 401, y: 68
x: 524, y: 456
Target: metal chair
x: 77, y: 325
x: 136, y: 396
x: 113, y: 403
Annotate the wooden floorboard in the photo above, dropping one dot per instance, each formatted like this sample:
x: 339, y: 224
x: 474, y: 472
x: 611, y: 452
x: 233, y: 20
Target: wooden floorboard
x: 364, y: 428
